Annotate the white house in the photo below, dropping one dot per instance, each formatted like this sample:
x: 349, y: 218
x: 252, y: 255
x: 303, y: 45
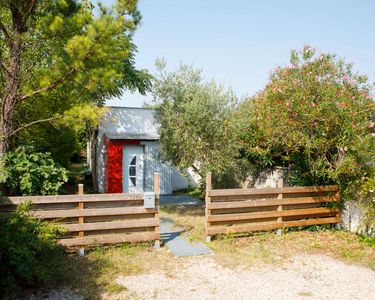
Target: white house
x: 124, y: 154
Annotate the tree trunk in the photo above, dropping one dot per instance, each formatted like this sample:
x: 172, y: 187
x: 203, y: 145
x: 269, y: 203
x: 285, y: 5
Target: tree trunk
x: 5, y: 129
x: 93, y: 138
x: 10, y: 97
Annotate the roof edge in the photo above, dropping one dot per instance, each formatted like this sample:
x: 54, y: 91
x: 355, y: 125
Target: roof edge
x: 129, y: 107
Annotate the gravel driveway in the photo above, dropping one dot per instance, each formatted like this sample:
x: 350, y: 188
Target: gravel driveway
x: 303, y: 277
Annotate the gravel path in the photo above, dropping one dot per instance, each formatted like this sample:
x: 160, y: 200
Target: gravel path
x: 304, y: 277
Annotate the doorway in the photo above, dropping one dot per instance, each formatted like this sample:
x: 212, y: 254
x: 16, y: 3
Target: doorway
x: 133, y: 169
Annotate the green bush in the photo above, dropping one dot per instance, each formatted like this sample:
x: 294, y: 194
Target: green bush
x: 29, y: 255
x: 314, y: 117
x: 25, y: 172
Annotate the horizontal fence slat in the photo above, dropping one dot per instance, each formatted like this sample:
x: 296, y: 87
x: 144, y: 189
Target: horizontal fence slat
x: 261, y: 203
x: 257, y: 209
x: 267, y: 226
x: 95, y: 218
x: 71, y: 198
x: 270, y: 214
x: 54, y: 214
x: 149, y: 222
x: 263, y: 191
x: 110, y: 239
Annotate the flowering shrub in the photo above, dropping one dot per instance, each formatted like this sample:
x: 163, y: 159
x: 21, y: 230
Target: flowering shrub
x: 315, y: 117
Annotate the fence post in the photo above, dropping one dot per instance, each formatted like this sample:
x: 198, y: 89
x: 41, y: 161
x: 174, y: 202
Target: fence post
x: 157, y: 206
x: 280, y: 184
x: 81, y: 219
x: 208, y: 200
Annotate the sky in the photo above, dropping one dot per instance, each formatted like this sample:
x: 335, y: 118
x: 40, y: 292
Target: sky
x: 239, y: 42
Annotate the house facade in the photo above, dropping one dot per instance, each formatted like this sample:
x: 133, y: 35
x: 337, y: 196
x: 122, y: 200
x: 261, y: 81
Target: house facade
x: 124, y: 154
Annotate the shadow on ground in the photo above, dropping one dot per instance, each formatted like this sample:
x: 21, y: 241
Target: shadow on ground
x: 94, y: 274
x: 78, y: 280
x: 185, y: 210
x: 83, y: 274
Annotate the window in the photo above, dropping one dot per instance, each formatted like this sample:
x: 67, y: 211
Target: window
x: 133, y: 171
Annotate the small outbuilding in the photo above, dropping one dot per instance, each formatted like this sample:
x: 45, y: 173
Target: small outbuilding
x: 124, y: 153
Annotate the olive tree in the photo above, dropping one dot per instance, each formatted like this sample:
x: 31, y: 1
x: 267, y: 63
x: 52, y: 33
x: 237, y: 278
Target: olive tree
x: 195, y: 115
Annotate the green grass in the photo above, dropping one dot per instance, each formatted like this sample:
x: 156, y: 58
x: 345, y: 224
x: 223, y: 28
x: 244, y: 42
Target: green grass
x: 193, y: 192
x: 264, y: 248
x: 267, y: 247
x: 370, y: 241
x: 115, y: 288
x: 95, y: 273
x: 191, y: 218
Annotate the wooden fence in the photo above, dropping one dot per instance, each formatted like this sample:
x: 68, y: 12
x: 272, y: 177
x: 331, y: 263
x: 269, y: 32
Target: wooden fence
x: 246, y: 210
x: 96, y: 218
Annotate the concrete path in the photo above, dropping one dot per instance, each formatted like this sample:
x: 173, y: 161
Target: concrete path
x: 170, y: 234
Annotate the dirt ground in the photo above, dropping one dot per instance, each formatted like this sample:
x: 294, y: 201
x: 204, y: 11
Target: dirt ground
x: 304, y: 264
x: 304, y: 276
x: 300, y: 277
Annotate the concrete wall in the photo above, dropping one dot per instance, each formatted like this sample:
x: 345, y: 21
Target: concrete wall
x: 182, y: 181
x: 264, y: 179
x: 352, y: 218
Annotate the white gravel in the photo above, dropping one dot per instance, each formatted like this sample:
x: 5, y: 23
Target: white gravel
x: 304, y: 277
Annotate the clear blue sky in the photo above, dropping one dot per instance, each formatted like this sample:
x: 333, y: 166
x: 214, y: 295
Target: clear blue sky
x: 239, y: 42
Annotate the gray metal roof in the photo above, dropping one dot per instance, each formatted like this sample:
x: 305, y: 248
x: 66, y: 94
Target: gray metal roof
x: 129, y: 123
x: 130, y: 136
